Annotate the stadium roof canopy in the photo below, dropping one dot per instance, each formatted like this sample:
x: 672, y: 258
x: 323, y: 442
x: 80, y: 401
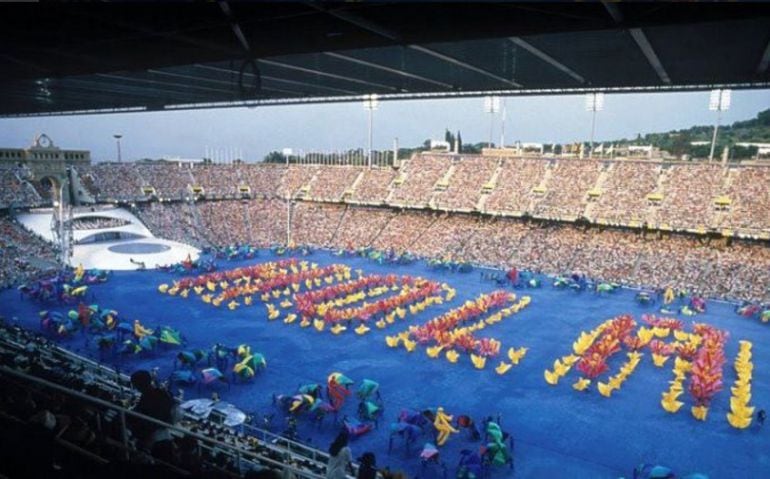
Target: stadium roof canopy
x: 65, y: 58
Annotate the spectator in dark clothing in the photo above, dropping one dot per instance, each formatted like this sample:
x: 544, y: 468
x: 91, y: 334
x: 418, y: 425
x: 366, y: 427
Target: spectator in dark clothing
x: 157, y: 403
x: 367, y: 468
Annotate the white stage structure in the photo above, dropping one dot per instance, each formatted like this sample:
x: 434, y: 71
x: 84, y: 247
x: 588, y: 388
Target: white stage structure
x: 110, y: 238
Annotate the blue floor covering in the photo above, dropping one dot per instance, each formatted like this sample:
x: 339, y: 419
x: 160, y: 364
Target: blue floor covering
x: 558, y: 432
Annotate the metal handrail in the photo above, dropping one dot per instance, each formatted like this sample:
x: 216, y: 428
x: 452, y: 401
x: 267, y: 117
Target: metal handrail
x: 238, y: 453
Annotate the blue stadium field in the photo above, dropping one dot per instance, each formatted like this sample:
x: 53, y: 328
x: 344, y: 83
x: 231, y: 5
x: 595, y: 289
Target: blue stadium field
x: 558, y: 432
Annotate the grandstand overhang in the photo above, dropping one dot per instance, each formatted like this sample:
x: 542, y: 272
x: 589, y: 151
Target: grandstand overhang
x: 87, y: 58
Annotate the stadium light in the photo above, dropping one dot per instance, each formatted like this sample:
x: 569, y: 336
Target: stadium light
x: 594, y: 103
x: 371, y: 103
x: 117, y: 141
x: 719, y: 101
x: 491, y: 106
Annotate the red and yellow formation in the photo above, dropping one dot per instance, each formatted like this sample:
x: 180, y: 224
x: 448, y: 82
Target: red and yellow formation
x: 454, y: 331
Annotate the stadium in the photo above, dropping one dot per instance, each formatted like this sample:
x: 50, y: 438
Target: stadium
x: 499, y: 309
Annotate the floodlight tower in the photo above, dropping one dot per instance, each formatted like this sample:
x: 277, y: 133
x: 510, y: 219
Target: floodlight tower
x: 491, y: 106
x: 117, y: 141
x: 719, y: 102
x: 371, y: 103
x: 594, y: 103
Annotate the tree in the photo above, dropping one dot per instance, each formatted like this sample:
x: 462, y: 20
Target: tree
x: 459, y: 142
x: 275, y: 157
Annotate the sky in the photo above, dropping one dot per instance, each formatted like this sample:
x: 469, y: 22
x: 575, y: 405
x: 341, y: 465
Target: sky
x: 254, y: 132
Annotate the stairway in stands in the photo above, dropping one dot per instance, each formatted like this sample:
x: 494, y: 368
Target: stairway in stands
x: 489, y: 187
x: 605, y: 172
x: 441, y: 185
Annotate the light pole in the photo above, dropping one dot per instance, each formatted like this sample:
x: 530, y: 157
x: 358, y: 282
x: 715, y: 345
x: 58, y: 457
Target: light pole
x: 719, y: 102
x: 371, y: 103
x: 491, y: 106
x: 502, y: 126
x: 594, y: 103
x: 117, y: 141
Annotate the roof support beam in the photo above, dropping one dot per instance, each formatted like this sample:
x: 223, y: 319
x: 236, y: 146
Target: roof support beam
x: 644, y: 45
x: 213, y: 80
x: 289, y: 66
x: 641, y: 41
x: 764, y: 62
x: 149, y: 83
x: 463, y: 64
x: 276, y: 79
x: 234, y: 26
x: 547, y: 58
x: 384, y: 68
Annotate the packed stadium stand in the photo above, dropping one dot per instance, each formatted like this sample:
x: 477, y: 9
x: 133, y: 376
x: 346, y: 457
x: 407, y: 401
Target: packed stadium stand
x: 696, y: 225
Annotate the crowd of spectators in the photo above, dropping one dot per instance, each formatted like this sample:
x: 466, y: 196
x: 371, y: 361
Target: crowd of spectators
x: 53, y: 431
x: 749, y: 194
x: 14, y: 189
x: 95, y: 223
x: 540, y: 187
x: 295, y: 179
x: 420, y: 176
x: 689, y: 192
x: 567, y: 189
x: 315, y: 223
x: 374, y: 185
x: 445, y: 237
x: 361, y: 225
x: 114, y: 181
x: 514, y: 184
x: 263, y: 179
x: 22, y: 254
x: 332, y: 182
x: 170, y: 180
x: 176, y: 221
x: 470, y: 175
x: 218, y: 180
x: 624, y: 192
x: 403, y: 231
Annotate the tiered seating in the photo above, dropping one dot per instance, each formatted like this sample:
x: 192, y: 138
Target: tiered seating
x: 513, y: 190
x: 624, y: 192
x: 494, y: 242
x: 175, y: 221
x: 567, y: 188
x: 14, y: 190
x: 374, y: 186
x: 421, y: 175
x: 117, y: 181
x: 464, y: 189
x: 170, y: 180
x: 315, y: 223
x: 225, y: 222
x: 688, y: 195
x: 403, y: 230
x: 361, y: 225
x: 60, y: 432
x: 548, y: 248
x: 332, y: 182
x: 263, y: 179
x: 750, y: 199
x: 445, y: 237
x: 267, y: 219
x: 217, y: 180
x: 20, y: 253
x: 295, y: 179
x: 610, y: 253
